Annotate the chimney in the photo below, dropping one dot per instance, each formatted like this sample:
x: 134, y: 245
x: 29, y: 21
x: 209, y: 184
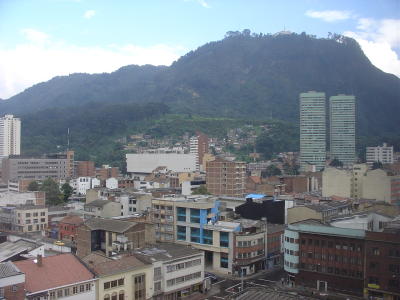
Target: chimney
x: 39, y: 260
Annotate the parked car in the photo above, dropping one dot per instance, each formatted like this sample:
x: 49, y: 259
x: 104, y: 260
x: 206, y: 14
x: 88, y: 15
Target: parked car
x: 212, y: 277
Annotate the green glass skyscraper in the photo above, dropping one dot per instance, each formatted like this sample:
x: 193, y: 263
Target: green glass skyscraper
x: 342, y: 117
x: 312, y: 130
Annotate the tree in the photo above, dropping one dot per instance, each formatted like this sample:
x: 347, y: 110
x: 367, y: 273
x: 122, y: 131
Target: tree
x: 33, y: 186
x: 67, y: 191
x: 271, y: 170
x: 336, y: 163
x: 53, y: 195
x: 377, y: 165
x: 201, y: 190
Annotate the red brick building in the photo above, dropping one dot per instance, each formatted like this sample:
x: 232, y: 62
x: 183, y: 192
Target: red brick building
x: 336, y: 262
x: 274, y: 244
x: 226, y: 177
x: 12, y: 282
x: 85, y: 169
x: 67, y: 227
x: 382, y: 265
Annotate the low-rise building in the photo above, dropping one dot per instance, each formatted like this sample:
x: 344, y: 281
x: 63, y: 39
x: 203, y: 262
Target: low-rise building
x: 123, y: 277
x: 68, y: 226
x: 103, y: 208
x: 382, y: 265
x: 12, y: 282
x: 275, y: 233
x: 112, y: 236
x: 325, y: 257
x: 177, y: 271
x: 24, y: 218
x: 59, y: 276
x: 383, y: 154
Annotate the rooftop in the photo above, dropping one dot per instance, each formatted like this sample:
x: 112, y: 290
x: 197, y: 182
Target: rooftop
x: 55, y: 271
x: 164, y: 252
x: 8, y: 269
x: 102, y: 265
x: 10, y: 249
x: 109, y: 225
x: 73, y: 220
x: 97, y: 203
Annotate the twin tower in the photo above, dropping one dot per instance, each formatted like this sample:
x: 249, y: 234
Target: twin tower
x: 313, y: 133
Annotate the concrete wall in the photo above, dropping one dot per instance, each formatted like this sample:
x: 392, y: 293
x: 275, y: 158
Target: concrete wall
x: 377, y: 185
x: 300, y: 213
x: 336, y: 182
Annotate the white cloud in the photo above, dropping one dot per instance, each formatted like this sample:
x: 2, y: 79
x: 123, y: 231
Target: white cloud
x: 89, y: 14
x: 329, y: 15
x: 32, y: 62
x: 378, y: 39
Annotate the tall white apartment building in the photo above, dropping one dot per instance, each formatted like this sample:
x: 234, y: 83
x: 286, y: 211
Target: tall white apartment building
x: 383, y: 153
x: 10, y: 136
x: 342, y: 112
x: 312, y: 130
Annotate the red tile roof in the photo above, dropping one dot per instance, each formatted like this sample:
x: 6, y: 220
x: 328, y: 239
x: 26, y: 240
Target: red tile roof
x: 58, y: 270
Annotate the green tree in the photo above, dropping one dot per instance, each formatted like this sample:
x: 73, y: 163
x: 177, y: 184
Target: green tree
x: 53, y: 195
x: 201, y: 190
x: 271, y: 170
x: 33, y: 186
x: 67, y: 191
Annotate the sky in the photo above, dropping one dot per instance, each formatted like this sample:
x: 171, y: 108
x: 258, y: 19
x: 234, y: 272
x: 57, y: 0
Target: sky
x: 41, y: 39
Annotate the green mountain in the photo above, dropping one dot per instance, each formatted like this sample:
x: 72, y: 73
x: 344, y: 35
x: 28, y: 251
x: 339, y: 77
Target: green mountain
x: 246, y: 76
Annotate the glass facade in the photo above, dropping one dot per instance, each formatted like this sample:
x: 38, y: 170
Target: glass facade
x: 181, y: 214
x: 181, y: 233
x: 224, y: 239
x: 194, y: 215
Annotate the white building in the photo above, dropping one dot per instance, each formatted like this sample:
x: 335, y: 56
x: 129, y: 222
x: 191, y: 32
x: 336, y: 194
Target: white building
x: 82, y: 184
x: 383, y: 154
x: 10, y: 136
x: 177, y: 271
x: 112, y: 183
x: 143, y: 164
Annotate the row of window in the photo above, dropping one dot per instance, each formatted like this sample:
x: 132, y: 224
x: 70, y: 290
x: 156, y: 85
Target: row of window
x: 330, y: 244
x: 115, y: 296
x: 331, y: 270
x: 155, y: 206
x: 35, y: 221
x: 291, y: 265
x: 70, y: 291
x: 37, y: 227
x: 331, y: 257
x: 35, y: 214
x: 180, y: 266
x: 182, y: 279
x: 259, y: 241
x: 250, y: 254
x: 114, y: 283
x: 392, y: 268
x: 291, y: 252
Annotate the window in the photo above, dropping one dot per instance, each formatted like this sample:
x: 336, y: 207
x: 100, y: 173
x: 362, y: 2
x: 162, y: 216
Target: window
x: 88, y: 286
x: 373, y: 280
x: 373, y: 265
x: 375, y: 251
x: 66, y: 292
x: 157, y: 286
x: 224, y: 260
x: 75, y: 290
x: 81, y: 288
x: 107, y: 285
x: 27, y: 215
x: 42, y: 213
x: 121, y: 295
x: 15, y: 288
x: 59, y: 293
x: 120, y: 281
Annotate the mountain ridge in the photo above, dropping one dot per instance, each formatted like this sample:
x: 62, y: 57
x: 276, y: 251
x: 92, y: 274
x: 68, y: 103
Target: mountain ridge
x: 244, y: 75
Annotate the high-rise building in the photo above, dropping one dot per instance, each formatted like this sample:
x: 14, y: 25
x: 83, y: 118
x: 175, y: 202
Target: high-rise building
x: 342, y: 111
x: 225, y: 177
x: 312, y: 130
x: 383, y: 154
x: 199, y: 147
x: 10, y: 136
